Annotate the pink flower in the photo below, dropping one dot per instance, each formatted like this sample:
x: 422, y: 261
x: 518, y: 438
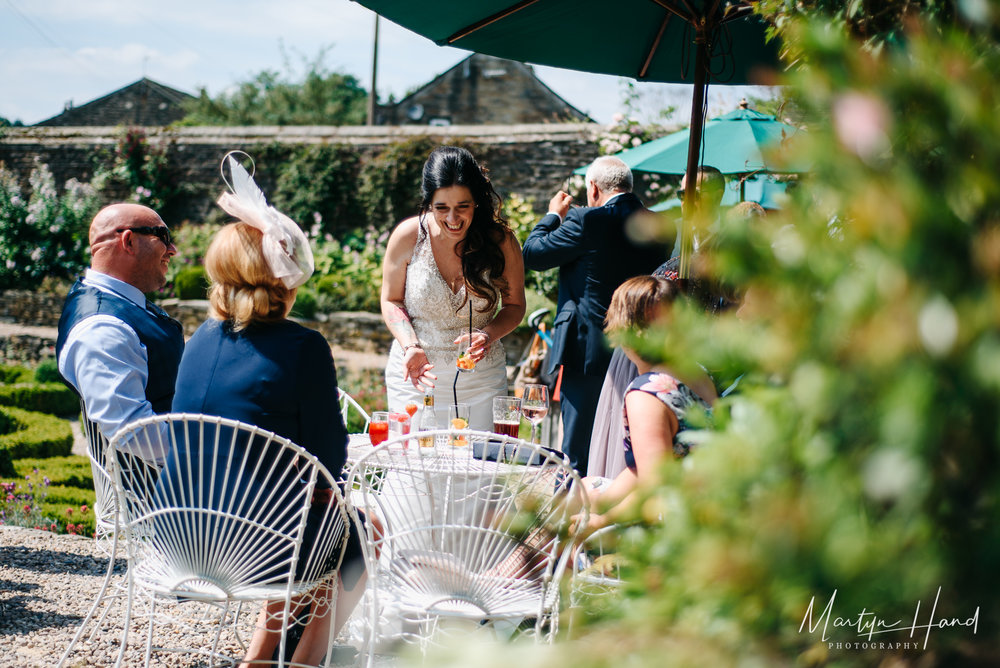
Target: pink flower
x: 83, y: 508
x: 661, y: 383
x: 54, y: 527
x: 27, y: 509
x: 862, y: 123
x: 69, y: 512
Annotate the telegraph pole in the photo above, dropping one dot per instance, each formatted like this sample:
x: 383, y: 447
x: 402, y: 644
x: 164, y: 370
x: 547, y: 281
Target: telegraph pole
x: 371, y: 93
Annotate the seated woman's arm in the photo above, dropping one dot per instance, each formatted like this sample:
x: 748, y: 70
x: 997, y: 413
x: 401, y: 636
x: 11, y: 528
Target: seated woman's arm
x: 652, y: 427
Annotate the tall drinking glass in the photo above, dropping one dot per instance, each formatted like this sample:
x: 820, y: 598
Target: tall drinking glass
x: 534, y: 407
x: 506, y: 415
x: 399, y: 423
x: 458, y: 418
x: 378, y: 428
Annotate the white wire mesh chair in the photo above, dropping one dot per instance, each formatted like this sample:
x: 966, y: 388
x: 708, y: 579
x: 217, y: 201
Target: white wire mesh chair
x: 105, y: 512
x: 466, y: 536
x: 597, y: 568
x: 238, y: 514
x: 349, y: 404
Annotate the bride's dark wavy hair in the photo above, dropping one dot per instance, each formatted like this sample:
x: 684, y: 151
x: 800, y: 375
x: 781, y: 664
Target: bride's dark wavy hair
x: 481, y: 251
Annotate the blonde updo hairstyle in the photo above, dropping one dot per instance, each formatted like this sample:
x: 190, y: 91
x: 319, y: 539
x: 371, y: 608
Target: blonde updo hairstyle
x: 243, y: 289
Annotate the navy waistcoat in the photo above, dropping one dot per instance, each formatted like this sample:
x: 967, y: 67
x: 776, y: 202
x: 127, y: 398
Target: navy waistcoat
x: 162, y: 336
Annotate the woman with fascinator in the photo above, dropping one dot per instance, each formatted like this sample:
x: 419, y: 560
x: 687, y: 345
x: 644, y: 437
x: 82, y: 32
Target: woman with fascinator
x: 249, y: 362
x: 457, y: 258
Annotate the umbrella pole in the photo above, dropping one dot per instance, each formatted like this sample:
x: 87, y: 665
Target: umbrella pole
x: 694, y: 148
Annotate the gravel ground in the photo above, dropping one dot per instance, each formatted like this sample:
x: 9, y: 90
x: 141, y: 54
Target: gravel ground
x: 48, y: 583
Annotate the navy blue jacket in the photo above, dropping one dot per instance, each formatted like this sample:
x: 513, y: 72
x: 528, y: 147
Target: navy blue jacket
x: 594, y: 256
x: 278, y: 376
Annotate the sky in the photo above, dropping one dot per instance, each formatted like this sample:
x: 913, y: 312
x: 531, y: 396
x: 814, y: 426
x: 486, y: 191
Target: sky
x: 56, y: 51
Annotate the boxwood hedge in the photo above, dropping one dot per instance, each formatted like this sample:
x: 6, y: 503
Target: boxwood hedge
x: 31, y: 434
x: 51, y: 398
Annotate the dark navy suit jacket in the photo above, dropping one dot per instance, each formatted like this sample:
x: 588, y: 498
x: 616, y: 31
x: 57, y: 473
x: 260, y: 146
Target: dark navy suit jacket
x: 594, y: 256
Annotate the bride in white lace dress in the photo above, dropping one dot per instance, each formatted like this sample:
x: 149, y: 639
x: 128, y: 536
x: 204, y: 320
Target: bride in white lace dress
x: 457, y: 254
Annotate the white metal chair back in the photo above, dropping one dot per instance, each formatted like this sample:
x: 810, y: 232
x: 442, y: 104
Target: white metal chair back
x: 238, y: 513
x: 105, y: 507
x: 466, y: 535
x: 349, y: 404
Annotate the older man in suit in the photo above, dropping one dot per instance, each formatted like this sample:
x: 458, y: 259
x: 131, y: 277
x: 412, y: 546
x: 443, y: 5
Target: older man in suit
x: 594, y: 255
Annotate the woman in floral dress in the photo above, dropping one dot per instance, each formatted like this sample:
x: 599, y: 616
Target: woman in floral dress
x: 658, y: 402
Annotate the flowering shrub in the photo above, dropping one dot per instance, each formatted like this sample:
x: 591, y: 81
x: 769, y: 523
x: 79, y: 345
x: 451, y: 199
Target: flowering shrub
x: 349, y: 275
x: 44, y: 234
x: 626, y: 132
x: 140, y: 172
x: 26, y: 503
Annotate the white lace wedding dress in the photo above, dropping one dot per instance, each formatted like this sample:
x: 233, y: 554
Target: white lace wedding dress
x: 439, y: 316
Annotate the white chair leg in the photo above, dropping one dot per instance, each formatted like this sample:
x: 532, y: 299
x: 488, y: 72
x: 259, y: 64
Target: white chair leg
x: 101, y: 598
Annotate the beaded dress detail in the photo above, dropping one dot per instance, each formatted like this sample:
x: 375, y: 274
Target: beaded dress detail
x: 439, y: 315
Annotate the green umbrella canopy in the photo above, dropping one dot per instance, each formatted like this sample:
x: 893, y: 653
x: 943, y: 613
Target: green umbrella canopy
x: 735, y: 143
x: 649, y: 40
x: 767, y: 193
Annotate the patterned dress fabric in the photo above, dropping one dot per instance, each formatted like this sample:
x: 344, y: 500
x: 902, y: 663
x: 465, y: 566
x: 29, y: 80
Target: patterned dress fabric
x: 676, y: 396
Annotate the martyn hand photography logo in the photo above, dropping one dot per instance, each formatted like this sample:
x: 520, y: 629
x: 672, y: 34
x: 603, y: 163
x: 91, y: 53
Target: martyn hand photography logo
x: 867, y: 624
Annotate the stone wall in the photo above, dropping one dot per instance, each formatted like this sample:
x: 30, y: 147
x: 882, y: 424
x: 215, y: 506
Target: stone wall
x: 532, y: 160
x: 28, y: 321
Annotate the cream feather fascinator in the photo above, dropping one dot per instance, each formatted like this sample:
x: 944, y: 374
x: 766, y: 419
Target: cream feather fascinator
x: 285, y: 245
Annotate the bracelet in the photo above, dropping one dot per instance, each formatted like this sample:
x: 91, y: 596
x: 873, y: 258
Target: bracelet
x: 410, y: 345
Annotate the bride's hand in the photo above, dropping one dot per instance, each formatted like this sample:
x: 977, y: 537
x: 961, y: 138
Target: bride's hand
x: 416, y: 369
x: 477, y: 345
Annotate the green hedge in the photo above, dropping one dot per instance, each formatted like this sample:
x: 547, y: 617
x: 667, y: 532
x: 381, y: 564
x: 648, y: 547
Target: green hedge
x: 32, y: 434
x: 16, y: 374
x: 191, y: 283
x: 6, y: 464
x: 51, y: 398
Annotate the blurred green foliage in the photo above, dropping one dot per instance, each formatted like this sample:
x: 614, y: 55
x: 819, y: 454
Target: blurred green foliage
x: 47, y: 371
x: 858, y: 460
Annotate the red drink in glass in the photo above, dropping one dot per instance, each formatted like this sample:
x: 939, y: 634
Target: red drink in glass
x: 378, y: 432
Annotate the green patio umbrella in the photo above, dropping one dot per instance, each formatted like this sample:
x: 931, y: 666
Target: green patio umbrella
x: 671, y: 41
x: 735, y: 143
x: 763, y: 190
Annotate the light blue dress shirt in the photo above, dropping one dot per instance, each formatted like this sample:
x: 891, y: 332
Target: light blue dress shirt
x: 108, y: 365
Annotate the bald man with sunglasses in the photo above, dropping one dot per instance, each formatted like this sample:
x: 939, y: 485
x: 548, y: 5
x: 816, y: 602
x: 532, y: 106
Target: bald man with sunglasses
x: 115, y: 348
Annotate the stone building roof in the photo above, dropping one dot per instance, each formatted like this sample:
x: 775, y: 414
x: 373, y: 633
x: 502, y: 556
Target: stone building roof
x: 143, y: 103
x: 482, y: 90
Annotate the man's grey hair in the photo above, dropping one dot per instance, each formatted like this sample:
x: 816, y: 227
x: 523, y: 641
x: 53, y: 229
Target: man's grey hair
x: 610, y: 175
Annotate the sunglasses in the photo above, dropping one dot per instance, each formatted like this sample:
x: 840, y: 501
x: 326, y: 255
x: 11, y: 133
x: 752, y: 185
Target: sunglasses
x: 161, y: 232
